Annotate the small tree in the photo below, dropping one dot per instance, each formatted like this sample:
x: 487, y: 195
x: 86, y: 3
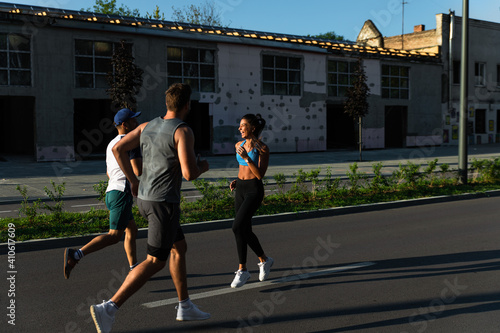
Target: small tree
x: 207, y: 14
x: 157, y: 14
x: 329, y: 35
x: 356, y: 104
x: 126, y: 80
x: 109, y: 7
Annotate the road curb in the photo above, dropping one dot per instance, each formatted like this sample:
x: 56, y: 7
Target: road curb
x: 50, y: 243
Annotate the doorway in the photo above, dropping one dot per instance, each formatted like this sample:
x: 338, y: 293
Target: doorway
x: 200, y: 121
x: 396, y: 120
x: 17, y: 125
x: 340, y: 128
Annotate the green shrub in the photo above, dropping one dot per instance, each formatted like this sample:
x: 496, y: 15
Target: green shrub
x: 407, y: 176
x: 280, y: 180
x: 486, y: 170
x: 313, y: 177
x: 217, y: 201
x: 445, y: 167
x: 215, y: 194
x: 355, y: 178
x: 299, y: 184
x: 378, y: 181
x: 100, y: 188
x: 30, y: 210
x: 55, y: 195
x: 331, y: 184
x: 429, y: 171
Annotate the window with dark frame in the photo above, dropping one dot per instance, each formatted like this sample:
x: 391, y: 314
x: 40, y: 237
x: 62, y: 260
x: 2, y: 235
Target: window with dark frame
x: 93, y: 62
x: 341, y: 75
x: 15, y: 60
x: 192, y: 66
x: 395, y: 82
x: 480, y: 74
x: 281, y: 75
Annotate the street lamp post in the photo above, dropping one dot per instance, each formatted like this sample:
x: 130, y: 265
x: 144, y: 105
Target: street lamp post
x: 464, y: 76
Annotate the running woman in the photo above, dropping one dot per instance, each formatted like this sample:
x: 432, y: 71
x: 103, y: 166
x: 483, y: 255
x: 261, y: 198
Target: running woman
x: 253, y: 159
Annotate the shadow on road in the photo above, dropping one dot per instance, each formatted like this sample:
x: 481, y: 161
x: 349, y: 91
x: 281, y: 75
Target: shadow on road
x: 451, y: 303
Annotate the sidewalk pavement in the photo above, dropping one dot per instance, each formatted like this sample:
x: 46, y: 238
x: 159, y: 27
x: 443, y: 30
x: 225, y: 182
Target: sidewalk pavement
x: 80, y: 176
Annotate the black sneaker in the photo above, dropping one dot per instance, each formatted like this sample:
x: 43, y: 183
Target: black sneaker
x: 69, y: 261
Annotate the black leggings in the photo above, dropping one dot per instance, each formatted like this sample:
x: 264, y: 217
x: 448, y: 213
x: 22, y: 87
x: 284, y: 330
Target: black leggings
x: 248, y: 197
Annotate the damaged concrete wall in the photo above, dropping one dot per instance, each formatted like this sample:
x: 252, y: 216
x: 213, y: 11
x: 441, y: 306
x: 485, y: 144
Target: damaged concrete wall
x: 423, y: 106
x: 293, y: 123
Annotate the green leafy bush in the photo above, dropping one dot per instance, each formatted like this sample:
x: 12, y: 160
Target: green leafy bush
x: 280, y: 180
x: 29, y: 209
x: 100, y: 188
x: 217, y: 201
x: 55, y: 195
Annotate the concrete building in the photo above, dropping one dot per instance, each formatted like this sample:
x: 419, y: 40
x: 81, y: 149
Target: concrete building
x: 54, y: 106
x: 483, y: 66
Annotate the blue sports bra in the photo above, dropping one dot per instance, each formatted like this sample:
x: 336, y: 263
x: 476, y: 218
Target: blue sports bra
x: 253, y: 154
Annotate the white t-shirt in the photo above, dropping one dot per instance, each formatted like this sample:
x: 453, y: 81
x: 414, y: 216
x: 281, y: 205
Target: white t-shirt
x: 117, y: 179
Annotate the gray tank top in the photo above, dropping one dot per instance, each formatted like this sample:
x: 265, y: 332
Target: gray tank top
x: 161, y: 171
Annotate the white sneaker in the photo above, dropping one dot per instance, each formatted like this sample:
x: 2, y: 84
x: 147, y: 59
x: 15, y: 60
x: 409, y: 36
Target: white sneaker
x: 191, y: 313
x: 265, y: 268
x: 240, y: 279
x: 102, y: 319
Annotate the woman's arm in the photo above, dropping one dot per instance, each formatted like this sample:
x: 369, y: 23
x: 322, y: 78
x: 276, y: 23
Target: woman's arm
x: 259, y: 170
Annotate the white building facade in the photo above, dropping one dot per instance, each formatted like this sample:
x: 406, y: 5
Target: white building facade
x: 53, y: 101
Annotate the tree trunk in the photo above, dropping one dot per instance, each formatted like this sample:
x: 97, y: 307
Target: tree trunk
x: 360, y: 140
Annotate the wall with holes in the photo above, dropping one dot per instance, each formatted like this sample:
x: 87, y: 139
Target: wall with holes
x: 293, y: 123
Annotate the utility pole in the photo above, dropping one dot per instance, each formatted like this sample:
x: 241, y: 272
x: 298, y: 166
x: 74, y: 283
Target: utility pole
x: 464, y: 77
x: 403, y: 3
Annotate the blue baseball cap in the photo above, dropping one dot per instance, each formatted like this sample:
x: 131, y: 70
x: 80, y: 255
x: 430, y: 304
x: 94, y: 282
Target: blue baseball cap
x: 124, y: 115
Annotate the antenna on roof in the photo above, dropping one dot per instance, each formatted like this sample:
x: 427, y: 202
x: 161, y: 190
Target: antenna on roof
x: 403, y: 3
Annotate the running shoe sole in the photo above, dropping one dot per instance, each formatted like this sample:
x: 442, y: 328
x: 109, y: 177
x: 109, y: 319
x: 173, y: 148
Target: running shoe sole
x: 94, y: 317
x: 67, y: 267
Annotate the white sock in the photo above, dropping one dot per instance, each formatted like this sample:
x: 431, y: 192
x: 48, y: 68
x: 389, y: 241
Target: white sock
x: 78, y: 254
x: 185, y: 303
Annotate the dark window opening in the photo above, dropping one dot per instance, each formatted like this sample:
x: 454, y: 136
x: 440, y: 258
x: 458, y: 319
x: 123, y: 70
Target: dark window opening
x: 93, y: 127
x: 480, y: 126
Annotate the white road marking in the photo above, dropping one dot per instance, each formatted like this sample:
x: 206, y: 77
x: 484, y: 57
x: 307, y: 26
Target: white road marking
x: 76, y: 206
x: 254, y: 285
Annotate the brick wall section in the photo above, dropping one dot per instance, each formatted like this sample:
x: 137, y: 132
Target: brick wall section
x: 413, y: 41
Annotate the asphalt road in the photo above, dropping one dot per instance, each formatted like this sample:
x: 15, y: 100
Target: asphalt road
x: 423, y: 268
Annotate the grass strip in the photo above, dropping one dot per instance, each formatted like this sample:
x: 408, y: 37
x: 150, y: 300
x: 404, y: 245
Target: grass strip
x: 64, y: 224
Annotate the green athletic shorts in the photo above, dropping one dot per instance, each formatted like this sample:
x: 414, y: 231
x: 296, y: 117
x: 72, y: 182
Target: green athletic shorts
x: 120, y: 209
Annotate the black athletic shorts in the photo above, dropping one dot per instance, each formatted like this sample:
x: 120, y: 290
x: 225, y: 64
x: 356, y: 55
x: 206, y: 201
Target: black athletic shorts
x: 163, y: 226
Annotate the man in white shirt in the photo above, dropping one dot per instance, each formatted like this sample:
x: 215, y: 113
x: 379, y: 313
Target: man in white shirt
x: 119, y: 200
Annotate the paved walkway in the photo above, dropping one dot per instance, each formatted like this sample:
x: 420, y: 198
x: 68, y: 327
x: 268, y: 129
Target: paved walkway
x: 81, y: 176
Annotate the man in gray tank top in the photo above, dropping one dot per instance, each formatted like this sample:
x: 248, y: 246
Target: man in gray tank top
x: 167, y: 145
